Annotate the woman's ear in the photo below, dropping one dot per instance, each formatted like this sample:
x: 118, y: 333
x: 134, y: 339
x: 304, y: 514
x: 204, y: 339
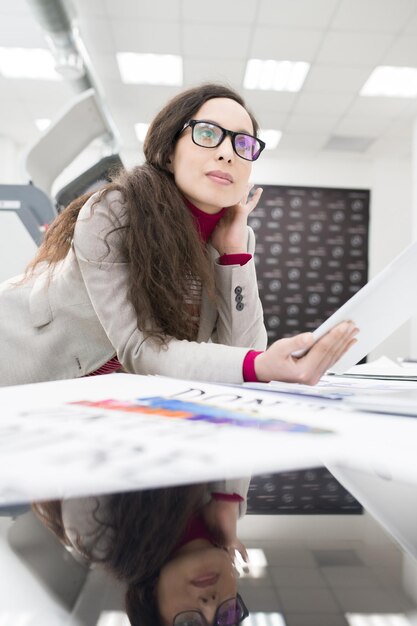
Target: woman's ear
x: 170, y: 167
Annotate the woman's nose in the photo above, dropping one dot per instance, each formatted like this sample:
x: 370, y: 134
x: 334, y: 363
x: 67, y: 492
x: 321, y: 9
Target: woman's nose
x: 225, y: 150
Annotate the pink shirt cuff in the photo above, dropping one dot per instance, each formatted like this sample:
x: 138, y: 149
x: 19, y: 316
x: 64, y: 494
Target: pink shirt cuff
x: 249, y: 374
x: 229, y: 497
x: 235, y: 259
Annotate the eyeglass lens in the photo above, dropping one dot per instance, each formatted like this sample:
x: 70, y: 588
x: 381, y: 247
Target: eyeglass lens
x: 209, y: 136
x: 229, y: 613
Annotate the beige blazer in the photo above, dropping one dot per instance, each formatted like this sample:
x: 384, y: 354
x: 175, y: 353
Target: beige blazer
x: 67, y: 321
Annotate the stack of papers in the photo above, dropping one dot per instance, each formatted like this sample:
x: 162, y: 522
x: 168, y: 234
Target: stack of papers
x: 384, y: 369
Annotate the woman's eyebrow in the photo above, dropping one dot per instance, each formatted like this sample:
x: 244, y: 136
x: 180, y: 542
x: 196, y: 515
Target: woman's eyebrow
x: 241, y: 130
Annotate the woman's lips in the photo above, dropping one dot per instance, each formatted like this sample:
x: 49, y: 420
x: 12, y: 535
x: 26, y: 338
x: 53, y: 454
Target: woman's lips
x: 208, y: 580
x: 220, y: 177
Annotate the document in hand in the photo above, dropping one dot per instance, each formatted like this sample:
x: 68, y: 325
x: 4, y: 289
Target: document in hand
x: 379, y: 308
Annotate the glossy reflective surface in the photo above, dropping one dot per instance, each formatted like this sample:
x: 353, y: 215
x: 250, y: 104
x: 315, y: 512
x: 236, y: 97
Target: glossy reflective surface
x: 304, y: 571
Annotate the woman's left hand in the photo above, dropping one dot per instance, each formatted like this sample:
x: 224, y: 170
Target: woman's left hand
x: 230, y: 235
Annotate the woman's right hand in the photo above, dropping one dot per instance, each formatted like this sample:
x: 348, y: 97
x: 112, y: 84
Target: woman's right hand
x: 278, y: 362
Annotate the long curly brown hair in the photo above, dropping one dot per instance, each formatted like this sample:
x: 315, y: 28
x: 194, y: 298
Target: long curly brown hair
x: 163, y: 247
x: 146, y: 528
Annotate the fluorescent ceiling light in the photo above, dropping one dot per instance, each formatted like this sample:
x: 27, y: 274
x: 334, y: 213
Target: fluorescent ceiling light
x: 141, y: 129
x: 377, y: 619
x: 271, y: 137
x: 391, y: 82
x: 265, y: 619
x: 113, y: 618
x: 150, y: 69
x: 33, y: 63
x: 275, y: 75
x: 42, y: 123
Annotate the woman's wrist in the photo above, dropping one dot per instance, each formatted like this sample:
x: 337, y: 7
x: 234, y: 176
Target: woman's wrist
x: 261, y: 371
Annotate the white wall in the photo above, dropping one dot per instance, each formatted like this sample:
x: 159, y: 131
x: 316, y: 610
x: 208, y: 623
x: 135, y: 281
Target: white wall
x: 10, y: 172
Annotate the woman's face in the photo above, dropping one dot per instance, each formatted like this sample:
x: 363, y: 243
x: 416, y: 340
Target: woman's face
x: 200, y: 579
x: 195, y: 167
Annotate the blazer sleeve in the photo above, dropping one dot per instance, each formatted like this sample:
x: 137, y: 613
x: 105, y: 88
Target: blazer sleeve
x: 105, y: 273
x: 240, y: 321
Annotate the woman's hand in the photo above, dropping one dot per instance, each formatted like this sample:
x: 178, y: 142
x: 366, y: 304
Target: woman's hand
x: 221, y: 517
x: 277, y: 363
x: 230, y: 235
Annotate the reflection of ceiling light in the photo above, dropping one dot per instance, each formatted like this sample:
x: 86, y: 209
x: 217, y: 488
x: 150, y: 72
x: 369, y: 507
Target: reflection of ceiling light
x: 141, y: 129
x: 275, y: 75
x: 256, y: 565
x: 270, y: 137
x: 150, y: 69
x: 113, y: 618
x: 257, y: 557
x: 391, y: 82
x: 265, y: 619
x: 377, y: 619
x: 17, y: 619
x: 42, y: 123
x: 34, y: 63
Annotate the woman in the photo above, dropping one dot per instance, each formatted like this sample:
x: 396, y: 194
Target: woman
x: 155, y: 272
x: 173, y: 548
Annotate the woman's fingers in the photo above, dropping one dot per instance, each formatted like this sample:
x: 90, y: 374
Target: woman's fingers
x: 329, y: 349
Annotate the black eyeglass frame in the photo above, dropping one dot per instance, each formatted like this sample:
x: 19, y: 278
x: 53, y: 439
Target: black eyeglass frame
x: 215, y: 623
x: 225, y: 133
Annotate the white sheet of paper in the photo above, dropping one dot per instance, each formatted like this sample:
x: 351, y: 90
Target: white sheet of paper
x: 378, y: 309
x: 50, y: 448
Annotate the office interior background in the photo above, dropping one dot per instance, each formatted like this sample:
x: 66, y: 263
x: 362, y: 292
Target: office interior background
x: 324, y: 127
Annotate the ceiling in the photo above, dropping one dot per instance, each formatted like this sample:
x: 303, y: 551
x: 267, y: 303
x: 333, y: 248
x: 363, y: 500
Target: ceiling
x: 342, y: 39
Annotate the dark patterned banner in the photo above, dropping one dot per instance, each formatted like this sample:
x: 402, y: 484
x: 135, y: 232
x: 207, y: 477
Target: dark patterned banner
x: 313, y: 491
x: 311, y: 253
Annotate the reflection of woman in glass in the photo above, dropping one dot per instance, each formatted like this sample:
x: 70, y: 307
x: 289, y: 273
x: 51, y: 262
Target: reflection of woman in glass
x: 174, y: 548
x: 155, y: 272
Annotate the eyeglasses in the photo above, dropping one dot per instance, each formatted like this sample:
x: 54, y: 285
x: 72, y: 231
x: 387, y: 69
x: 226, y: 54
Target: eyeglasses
x: 210, y: 135
x: 229, y: 613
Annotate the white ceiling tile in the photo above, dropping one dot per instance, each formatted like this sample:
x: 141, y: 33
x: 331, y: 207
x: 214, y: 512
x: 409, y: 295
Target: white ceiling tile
x: 145, y: 100
x: 411, y: 27
x: 141, y: 36
x: 311, y: 123
x: 17, y: 7
x: 304, y: 142
x: 355, y: 126
x: 226, y: 42
x: 232, y: 11
x: 291, y: 45
x: 146, y: 9
x: 322, y: 104
x: 269, y: 119
x: 199, y: 70
x: 391, y: 147
x: 22, y: 32
x: 97, y: 34
x: 273, y: 101
x: 352, y: 48
x: 399, y: 128
x: 402, y: 52
x: 297, y: 13
x: 92, y: 7
x: 8, y: 89
x: 373, y: 15
x: 377, y: 106
x: 327, y: 78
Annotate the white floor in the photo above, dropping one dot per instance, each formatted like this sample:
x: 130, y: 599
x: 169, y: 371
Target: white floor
x: 321, y: 571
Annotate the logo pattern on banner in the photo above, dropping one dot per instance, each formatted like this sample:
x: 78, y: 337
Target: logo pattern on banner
x: 311, y: 253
